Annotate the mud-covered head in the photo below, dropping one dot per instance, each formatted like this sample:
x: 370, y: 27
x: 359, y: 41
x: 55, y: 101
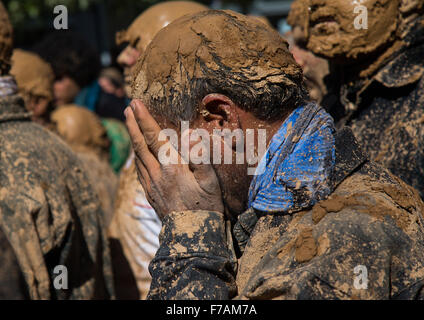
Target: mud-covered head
x: 6, y: 41
x: 218, y: 52
x: 221, y: 71
x: 145, y: 27
x: 150, y: 22
x: 81, y: 129
x: 350, y: 30
x: 35, y: 80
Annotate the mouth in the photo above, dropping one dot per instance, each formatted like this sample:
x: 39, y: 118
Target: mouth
x: 322, y: 19
x: 324, y: 24
x: 127, y: 76
x: 128, y: 79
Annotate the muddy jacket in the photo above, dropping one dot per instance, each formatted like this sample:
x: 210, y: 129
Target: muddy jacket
x: 365, y: 241
x: 386, y: 111
x: 49, y: 214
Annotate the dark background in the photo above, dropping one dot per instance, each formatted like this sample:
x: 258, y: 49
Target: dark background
x: 99, y: 20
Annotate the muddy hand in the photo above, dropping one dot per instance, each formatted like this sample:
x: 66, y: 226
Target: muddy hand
x: 169, y: 187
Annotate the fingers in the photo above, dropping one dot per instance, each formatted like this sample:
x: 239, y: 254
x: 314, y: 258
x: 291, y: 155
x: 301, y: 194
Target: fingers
x: 140, y: 146
x: 200, y: 165
x: 142, y: 173
x: 148, y: 126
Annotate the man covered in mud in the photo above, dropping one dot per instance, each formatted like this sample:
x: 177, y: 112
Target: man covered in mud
x: 376, y: 50
x: 315, y: 212
x: 50, y: 218
x: 135, y: 227
x: 35, y: 80
x: 85, y: 134
x: 315, y: 69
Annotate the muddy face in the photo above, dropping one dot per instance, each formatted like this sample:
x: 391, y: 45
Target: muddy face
x: 65, y: 91
x: 332, y: 32
x: 127, y: 59
x: 143, y: 30
x: 314, y: 70
x: 38, y: 105
x: 35, y: 81
x: 201, y: 47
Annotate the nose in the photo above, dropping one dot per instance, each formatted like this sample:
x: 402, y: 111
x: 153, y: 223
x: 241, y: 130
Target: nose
x: 123, y: 58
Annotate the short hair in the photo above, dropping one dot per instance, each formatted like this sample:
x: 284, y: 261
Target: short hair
x: 218, y: 52
x: 70, y: 55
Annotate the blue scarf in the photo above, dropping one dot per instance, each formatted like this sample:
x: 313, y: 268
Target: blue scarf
x: 295, y: 170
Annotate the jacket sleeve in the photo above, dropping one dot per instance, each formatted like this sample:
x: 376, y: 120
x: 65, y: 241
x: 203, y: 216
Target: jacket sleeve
x: 193, y: 260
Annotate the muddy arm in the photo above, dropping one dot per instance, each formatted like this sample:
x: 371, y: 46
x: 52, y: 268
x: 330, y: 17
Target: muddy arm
x: 193, y: 261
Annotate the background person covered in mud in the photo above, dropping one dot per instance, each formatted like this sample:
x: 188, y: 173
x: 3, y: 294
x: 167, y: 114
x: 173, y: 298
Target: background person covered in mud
x: 135, y: 228
x: 49, y: 214
x: 84, y: 133
x: 318, y: 210
x: 377, y: 83
x: 76, y: 65
x: 314, y: 68
x: 35, y: 84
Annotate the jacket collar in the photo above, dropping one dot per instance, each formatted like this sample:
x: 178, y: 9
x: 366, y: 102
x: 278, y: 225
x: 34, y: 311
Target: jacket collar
x: 349, y: 156
x: 12, y: 108
x: 407, y: 67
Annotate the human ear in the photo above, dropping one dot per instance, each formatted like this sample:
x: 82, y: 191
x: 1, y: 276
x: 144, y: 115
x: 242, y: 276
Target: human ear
x: 219, y: 112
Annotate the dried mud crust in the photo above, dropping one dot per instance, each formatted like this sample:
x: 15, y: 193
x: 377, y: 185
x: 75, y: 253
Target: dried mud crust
x: 246, y: 53
x: 45, y: 198
x: 369, y: 214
